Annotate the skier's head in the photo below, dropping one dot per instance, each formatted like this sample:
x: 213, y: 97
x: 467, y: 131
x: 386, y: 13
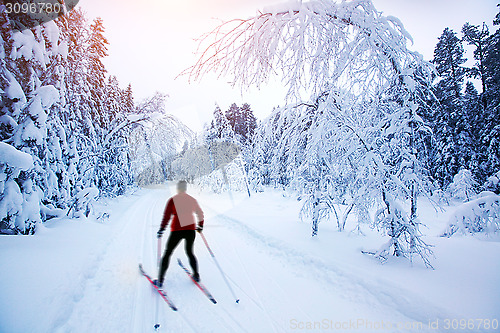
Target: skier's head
x: 182, y: 186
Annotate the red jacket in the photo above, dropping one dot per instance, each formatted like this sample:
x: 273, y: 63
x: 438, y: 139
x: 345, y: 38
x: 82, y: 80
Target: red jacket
x: 182, y: 207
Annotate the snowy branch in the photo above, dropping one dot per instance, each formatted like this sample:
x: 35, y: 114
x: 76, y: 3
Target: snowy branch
x: 314, y: 46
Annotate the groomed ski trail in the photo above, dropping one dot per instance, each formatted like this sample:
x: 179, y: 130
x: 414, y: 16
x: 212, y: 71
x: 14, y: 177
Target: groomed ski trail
x: 114, y: 297
x: 277, y: 285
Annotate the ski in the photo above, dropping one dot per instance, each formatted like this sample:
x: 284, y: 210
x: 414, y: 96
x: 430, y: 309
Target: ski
x: 162, y: 293
x: 198, y: 284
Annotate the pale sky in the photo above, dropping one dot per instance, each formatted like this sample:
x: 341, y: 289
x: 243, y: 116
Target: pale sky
x: 152, y: 41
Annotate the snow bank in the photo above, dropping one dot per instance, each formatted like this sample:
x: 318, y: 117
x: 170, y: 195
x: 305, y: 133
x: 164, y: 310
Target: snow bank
x: 44, y: 275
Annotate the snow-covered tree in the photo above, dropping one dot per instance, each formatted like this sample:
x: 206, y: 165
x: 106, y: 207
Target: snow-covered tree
x: 479, y: 39
x: 96, y: 50
x: 220, y: 128
x: 481, y: 215
x: 60, y: 110
x: 30, y: 76
x: 490, y: 126
x: 228, y: 140
x: 362, y: 122
x: 464, y: 186
x: 128, y: 99
x: 493, y: 183
x: 491, y: 63
x: 248, y: 124
x: 450, y: 123
x: 155, y: 141
x: 19, y: 202
x: 449, y: 58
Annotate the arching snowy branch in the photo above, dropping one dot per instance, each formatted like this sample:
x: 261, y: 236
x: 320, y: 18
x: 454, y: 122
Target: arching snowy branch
x: 312, y: 46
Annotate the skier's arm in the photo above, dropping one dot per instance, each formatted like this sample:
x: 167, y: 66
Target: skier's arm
x: 167, y: 214
x: 199, y: 214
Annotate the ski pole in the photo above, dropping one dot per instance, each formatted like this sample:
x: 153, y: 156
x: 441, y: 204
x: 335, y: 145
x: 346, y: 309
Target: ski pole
x: 218, y: 266
x: 158, y: 256
x: 158, y: 253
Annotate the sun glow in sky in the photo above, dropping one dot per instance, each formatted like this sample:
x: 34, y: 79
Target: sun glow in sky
x: 152, y: 41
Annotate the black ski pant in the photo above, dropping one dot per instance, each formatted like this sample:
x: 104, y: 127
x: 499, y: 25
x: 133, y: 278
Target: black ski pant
x: 172, y: 242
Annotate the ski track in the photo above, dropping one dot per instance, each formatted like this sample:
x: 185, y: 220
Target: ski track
x: 275, y: 326
x: 112, y: 291
x: 101, y: 294
x: 347, y: 285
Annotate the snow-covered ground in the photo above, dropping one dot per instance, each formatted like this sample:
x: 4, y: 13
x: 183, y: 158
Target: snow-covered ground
x: 82, y: 276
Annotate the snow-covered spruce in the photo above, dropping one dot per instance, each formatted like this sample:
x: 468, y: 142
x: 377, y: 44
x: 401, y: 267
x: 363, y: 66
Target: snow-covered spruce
x: 355, y: 141
x: 464, y: 186
x: 220, y: 157
x: 18, y: 204
x: 59, y: 107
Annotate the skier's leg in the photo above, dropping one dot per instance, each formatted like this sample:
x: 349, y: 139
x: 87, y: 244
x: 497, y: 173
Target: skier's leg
x: 173, y: 240
x: 190, y: 236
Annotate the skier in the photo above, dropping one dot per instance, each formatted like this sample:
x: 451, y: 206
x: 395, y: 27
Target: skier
x: 182, y: 207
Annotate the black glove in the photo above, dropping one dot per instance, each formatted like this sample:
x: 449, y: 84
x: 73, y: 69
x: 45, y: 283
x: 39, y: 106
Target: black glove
x: 159, y: 233
x: 199, y: 229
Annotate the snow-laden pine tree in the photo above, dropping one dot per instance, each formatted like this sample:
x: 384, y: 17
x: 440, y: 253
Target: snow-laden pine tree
x: 354, y: 140
x: 464, y: 186
x: 491, y: 63
x: 451, y: 124
x: 248, y: 123
x: 478, y: 37
x: 64, y: 125
x: 95, y: 51
x: 215, y: 161
x: 30, y: 78
x: 490, y: 134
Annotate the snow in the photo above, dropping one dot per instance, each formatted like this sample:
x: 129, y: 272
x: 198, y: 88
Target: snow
x: 48, y: 96
x: 82, y: 276
x: 14, y: 90
x: 63, y: 49
x: 26, y: 46
x: 52, y: 32
x: 397, y: 22
x: 135, y: 117
x: 15, y: 158
x: 287, y: 6
x: 29, y: 131
x: 8, y: 121
x: 89, y: 193
x: 12, y: 200
x: 478, y: 215
x: 31, y: 206
x: 493, y: 182
x: 36, y: 110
